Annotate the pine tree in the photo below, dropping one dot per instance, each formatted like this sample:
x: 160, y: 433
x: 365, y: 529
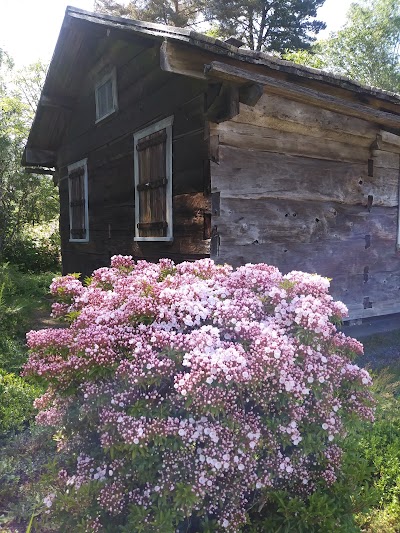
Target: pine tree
x: 175, y: 13
x: 272, y: 25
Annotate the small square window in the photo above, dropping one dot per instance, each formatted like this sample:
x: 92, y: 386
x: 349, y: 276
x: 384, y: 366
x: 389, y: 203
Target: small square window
x: 106, y: 95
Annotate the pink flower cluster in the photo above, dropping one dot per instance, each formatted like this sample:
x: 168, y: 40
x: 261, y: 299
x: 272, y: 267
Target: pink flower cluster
x: 235, y: 381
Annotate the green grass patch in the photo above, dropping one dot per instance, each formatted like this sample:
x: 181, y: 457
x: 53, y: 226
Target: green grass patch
x: 23, y: 297
x: 381, y: 448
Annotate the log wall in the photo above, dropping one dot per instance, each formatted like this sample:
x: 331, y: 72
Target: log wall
x: 310, y: 189
x: 145, y: 95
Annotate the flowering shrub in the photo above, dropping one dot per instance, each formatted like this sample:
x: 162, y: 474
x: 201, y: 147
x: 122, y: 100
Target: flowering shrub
x: 184, y: 393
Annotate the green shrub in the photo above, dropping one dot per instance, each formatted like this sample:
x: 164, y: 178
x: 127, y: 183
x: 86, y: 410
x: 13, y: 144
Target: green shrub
x: 380, y: 447
x: 12, y: 354
x: 16, y: 402
x: 366, y: 496
x: 34, y: 254
x: 27, y: 471
x: 329, y: 509
x: 22, y: 298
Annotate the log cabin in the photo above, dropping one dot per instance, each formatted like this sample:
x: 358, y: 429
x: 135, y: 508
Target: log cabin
x: 168, y: 143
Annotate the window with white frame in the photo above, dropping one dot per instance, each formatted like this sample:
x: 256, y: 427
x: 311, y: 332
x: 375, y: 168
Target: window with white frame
x: 78, y: 202
x: 153, y: 182
x: 106, y: 95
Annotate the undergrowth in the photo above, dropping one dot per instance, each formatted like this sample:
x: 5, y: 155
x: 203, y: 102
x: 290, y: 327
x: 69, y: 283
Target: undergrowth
x: 27, y: 452
x: 22, y: 297
x: 381, y: 449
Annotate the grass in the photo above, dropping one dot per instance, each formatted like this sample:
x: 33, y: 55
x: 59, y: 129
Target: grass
x: 26, y: 451
x: 23, y: 297
x: 381, y: 448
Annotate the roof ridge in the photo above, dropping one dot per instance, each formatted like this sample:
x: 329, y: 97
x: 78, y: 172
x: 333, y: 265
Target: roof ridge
x: 262, y: 58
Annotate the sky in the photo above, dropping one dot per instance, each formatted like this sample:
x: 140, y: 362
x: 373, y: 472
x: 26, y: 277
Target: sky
x: 29, y: 28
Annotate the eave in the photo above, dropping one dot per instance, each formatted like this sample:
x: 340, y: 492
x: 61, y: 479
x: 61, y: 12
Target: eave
x: 185, y: 52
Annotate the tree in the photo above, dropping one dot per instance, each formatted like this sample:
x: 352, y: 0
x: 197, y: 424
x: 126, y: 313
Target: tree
x: 263, y: 24
x: 175, y: 12
x: 270, y: 25
x: 366, y: 49
x: 27, y: 84
x: 24, y: 198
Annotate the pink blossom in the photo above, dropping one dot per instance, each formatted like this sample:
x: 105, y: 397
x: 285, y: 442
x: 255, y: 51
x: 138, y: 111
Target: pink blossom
x: 219, y: 373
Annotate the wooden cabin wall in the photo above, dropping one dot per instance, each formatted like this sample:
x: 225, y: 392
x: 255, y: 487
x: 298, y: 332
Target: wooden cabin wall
x: 307, y: 189
x: 145, y: 95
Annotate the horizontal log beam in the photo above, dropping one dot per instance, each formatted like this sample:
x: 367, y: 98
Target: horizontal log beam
x: 39, y: 170
x: 40, y: 158
x: 59, y: 102
x: 386, y: 141
x: 218, y: 71
x: 181, y: 60
x: 250, y: 93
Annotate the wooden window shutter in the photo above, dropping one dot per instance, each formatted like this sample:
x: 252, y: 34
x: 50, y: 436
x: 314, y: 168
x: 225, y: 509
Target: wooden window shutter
x: 153, y: 182
x: 152, y: 185
x: 78, y: 203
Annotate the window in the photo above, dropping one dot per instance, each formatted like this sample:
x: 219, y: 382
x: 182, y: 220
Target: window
x: 153, y: 182
x: 78, y: 202
x: 106, y: 95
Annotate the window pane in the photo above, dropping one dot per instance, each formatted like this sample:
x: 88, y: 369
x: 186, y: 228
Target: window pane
x: 105, y: 103
x: 77, y: 203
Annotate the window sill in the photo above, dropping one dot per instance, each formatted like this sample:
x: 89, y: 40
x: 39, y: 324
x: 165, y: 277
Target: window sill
x: 109, y: 115
x: 153, y: 239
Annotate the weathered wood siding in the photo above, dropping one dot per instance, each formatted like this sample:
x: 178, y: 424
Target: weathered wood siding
x: 145, y: 95
x: 306, y: 189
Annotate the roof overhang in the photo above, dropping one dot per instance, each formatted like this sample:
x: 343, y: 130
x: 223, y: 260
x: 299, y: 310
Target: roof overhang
x: 185, y: 52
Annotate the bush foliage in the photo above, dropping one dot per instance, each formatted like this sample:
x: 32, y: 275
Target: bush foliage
x: 380, y: 449
x: 16, y: 402
x: 187, y: 395
x: 22, y: 296
x: 34, y: 254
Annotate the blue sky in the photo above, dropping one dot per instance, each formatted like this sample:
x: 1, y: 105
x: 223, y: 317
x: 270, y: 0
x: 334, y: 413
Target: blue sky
x: 29, y: 28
